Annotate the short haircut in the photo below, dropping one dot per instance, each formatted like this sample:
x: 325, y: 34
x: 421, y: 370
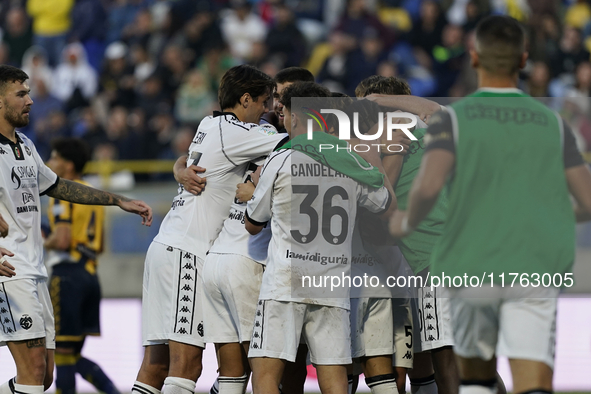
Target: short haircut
x: 294, y: 74
x: 10, y: 74
x: 390, y: 85
x: 361, y: 89
x: 500, y: 44
x: 302, y: 89
x: 72, y: 149
x: 240, y: 80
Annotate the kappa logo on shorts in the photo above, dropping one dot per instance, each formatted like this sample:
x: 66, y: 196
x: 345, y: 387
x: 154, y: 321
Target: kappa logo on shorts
x: 428, y: 306
x: 182, y: 331
x: 200, y: 329
x: 430, y: 327
x: 183, y: 320
x: 26, y: 322
x: 187, y: 288
x: 429, y: 317
x: 186, y: 298
x: 3, y: 310
x: 187, y: 255
x: 407, y: 355
x: 185, y: 309
x: 188, y: 266
x: 431, y: 338
x: 188, y: 277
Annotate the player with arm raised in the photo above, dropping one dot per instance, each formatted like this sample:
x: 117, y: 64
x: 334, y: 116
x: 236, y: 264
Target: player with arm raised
x: 232, y: 275
x: 25, y: 307
x: 172, y: 319
x: 292, y: 200
x: 510, y: 163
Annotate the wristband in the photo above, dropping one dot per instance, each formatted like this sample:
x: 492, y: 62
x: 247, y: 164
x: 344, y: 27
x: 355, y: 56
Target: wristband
x: 406, y: 229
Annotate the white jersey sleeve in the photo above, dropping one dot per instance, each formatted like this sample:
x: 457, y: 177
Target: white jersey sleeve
x: 261, y: 140
x: 258, y: 209
x: 46, y: 178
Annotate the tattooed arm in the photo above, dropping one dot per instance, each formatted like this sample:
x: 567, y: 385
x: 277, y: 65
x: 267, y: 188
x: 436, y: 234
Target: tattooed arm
x: 81, y: 194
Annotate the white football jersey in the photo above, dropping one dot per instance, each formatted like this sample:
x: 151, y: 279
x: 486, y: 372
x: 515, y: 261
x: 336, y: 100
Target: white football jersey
x: 235, y: 239
x: 312, y: 209
x: 24, y: 178
x: 224, y: 146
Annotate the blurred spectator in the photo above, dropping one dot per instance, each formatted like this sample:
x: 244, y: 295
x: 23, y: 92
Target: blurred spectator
x: 201, y: 32
x: 17, y: 36
x: 448, y: 59
x: 518, y: 9
x: 151, y: 96
x: 582, y: 87
x: 544, y: 37
x: 334, y: 74
x: 194, y: 100
x: 215, y: 62
x: 89, y: 19
x: 426, y: 32
x: 578, y: 14
x: 51, y: 23
x: 121, y: 14
x: 574, y: 112
x: 35, y: 65
x: 475, y: 11
x: 161, y: 129
x: 241, y: 28
x: 143, y: 64
x: 139, y: 32
x: 569, y: 54
x: 54, y: 125
x: 45, y: 104
x: 173, y: 66
x: 89, y: 129
x: 539, y: 80
x: 363, y: 62
x: 75, y: 82
x: 120, y: 136
x: 285, y: 40
x: 117, y: 83
x: 357, y: 18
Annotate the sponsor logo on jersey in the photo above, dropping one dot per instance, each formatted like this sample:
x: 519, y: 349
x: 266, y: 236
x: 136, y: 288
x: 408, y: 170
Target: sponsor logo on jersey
x: 23, y: 176
x: 236, y: 215
x: 199, y: 137
x: 28, y: 197
x: 27, y: 208
x: 177, y: 203
x: 267, y: 129
x: 26, y: 322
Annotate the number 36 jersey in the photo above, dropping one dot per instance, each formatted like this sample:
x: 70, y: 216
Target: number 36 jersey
x: 312, y: 209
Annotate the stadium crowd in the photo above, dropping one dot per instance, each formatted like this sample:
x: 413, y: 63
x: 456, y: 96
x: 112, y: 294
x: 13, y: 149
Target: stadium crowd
x: 135, y: 77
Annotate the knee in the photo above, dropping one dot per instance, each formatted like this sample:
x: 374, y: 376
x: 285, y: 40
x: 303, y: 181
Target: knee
x: 157, y: 371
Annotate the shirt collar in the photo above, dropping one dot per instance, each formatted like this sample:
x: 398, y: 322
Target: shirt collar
x: 5, y: 140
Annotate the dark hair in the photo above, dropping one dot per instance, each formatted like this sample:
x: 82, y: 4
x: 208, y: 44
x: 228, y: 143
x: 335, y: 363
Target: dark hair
x: 361, y: 89
x: 240, y: 80
x: 500, y: 44
x: 302, y: 89
x: 10, y: 74
x: 72, y: 149
x: 338, y: 95
x: 294, y: 74
x: 389, y: 85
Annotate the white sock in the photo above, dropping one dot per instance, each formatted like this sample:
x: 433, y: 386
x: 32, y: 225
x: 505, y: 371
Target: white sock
x: 229, y: 385
x: 26, y: 389
x: 178, y: 386
x: 423, y: 385
x: 382, y: 384
x: 8, y: 387
x: 476, y: 389
x: 215, y: 389
x: 142, y: 388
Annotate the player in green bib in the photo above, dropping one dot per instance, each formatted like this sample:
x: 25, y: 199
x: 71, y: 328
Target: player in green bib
x: 509, y: 164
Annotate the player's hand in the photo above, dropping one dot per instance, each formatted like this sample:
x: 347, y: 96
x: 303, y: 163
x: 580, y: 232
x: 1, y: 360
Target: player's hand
x: 398, y: 138
x: 6, y: 269
x: 244, y: 191
x: 140, y: 208
x: 3, y: 227
x: 255, y: 176
x: 192, y: 182
x: 395, y: 224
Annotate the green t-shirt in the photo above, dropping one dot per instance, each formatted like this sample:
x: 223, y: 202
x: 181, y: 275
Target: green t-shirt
x: 509, y: 207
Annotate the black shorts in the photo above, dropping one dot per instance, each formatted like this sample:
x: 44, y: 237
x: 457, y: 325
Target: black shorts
x: 75, y: 295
